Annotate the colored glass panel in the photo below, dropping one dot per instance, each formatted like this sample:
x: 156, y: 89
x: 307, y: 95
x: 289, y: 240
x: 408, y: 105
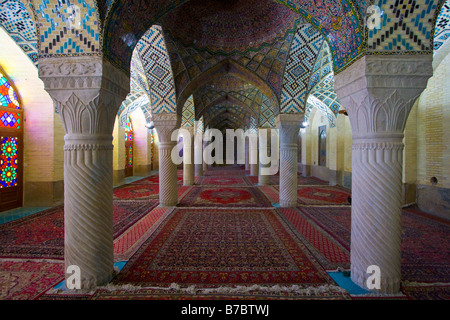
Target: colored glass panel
x: 130, y: 156
x: 129, y: 130
x: 8, y: 162
x: 8, y: 97
x: 9, y: 119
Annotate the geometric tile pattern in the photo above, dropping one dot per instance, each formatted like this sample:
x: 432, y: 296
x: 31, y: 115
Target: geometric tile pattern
x: 302, y: 56
x: 156, y: 63
x: 266, y: 114
x: 442, y: 29
x: 266, y: 61
x: 67, y: 27
x: 337, y: 21
x: 322, y: 67
x: 139, y: 92
x: 313, y: 102
x: 324, y: 91
x: 188, y: 113
x: 17, y: 22
x: 132, y: 103
x: 407, y: 25
x: 227, y: 117
x: 335, y: 18
x: 138, y: 78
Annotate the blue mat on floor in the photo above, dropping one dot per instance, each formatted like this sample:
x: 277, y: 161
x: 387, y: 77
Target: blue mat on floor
x: 347, y: 283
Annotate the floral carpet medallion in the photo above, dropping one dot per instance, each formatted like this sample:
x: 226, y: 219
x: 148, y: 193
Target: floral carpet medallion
x: 327, y: 195
x: 220, y: 247
x: 223, y: 196
x: 223, y: 181
x: 155, y: 180
x: 137, y: 192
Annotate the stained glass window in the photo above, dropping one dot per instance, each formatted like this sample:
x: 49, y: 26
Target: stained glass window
x: 8, y: 161
x: 130, y: 156
x: 129, y: 130
x: 9, y: 119
x: 8, y: 97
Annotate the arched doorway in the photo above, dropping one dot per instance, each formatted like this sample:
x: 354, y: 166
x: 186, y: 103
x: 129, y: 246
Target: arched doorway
x: 11, y: 146
x: 129, y: 149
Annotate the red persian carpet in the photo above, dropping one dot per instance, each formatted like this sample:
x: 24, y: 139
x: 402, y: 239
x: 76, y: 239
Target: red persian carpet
x: 219, y: 247
x: 225, y: 196
x: 323, y: 195
x: 223, y: 181
x: 26, y: 280
x: 425, y: 249
x: 275, y: 180
x: 41, y: 235
x: 330, y: 253
x: 137, y: 192
x: 154, y: 179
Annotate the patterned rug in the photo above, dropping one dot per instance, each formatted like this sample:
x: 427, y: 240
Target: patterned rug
x: 425, y: 249
x: 222, y: 247
x: 311, y: 293
x: 154, y: 179
x: 275, y: 180
x: 223, y: 181
x: 323, y: 195
x: 330, y: 253
x: 137, y: 192
x: 271, y: 193
x: 225, y: 196
x: 423, y: 292
x: 143, y: 192
x: 127, y: 243
x: 26, y: 280
x: 41, y: 235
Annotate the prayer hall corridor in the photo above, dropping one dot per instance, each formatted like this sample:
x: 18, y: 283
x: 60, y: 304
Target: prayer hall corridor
x: 228, y: 239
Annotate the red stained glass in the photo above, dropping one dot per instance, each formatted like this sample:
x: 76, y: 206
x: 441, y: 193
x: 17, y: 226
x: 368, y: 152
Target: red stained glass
x: 8, y: 162
x: 8, y: 97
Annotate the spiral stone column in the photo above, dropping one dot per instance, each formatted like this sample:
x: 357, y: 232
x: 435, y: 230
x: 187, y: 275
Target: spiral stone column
x: 205, y: 165
x: 87, y: 91
x: 198, y: 152
x: 247, y: 155
x: 289, y: 127
x: 263, y: 179
x: 188, y: 158
x: 88, y: 207
x: 378, y: 93
x: 253, y: 155
x: 165, y: 124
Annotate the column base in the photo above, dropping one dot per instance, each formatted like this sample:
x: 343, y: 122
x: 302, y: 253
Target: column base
x: 288, y: 203
x: 387, y: 285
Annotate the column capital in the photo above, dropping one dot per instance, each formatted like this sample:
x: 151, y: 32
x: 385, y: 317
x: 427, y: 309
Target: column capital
x: 378, y: 91
x: 87, y: 91
x: 165, y: 124
x: 289, y: 119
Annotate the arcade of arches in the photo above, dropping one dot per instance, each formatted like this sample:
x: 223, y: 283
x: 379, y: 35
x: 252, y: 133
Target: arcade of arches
x: 91, y: 92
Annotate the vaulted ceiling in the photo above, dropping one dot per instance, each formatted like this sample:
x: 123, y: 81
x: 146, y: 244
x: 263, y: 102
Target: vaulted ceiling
x: 246, y: 60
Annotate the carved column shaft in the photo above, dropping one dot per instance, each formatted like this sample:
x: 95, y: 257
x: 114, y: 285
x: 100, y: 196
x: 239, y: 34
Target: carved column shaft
x: 378, y: 92
x: 253, y: 156
x: 247, y: 155
x: 165, y: 124
x: 264, y: 179
x: 376, y: 210
x: 87, y: 92
x: 198, y: 152
x: 88, y: 208
x: 289, y: 125
x: 205, y: 165
x: 188, y: 159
